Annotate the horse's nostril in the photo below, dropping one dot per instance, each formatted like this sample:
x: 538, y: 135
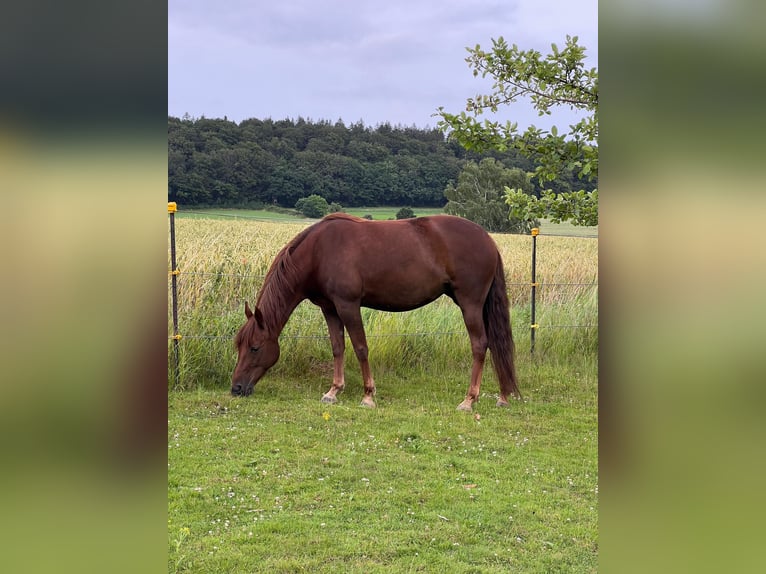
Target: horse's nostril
x: 236, y: 389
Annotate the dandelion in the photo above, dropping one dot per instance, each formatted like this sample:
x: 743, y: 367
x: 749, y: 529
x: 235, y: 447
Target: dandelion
x: 326, y: 416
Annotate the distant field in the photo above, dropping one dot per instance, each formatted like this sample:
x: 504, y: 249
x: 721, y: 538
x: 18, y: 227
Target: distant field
x: 390, y: 212
x: 378, y: 213
x: 266, y: 215
x: 222, y: 213
x: 548, y: 228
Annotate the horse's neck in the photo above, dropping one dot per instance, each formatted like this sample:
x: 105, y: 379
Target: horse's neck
x: 286, y: 287
x: 277, y: 317
x: 277, y: 305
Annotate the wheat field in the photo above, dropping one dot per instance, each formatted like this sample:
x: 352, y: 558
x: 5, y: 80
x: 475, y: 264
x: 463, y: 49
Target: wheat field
x: 222, y: 264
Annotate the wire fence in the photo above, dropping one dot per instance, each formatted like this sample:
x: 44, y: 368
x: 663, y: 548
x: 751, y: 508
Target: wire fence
x: 533, y: 288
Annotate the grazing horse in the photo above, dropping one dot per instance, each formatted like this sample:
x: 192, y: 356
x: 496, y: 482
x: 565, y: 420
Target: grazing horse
x: 343, y: 263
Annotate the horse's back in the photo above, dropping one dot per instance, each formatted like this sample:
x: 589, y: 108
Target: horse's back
x: 403, y: 264
x: 467, y: 244
x: 444, y: 239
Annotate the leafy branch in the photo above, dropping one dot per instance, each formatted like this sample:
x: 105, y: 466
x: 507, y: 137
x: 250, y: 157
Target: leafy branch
x: 556, y: 79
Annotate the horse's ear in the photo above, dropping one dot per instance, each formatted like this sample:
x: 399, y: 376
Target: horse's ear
x: 259, y: 318
x: 257, y: 314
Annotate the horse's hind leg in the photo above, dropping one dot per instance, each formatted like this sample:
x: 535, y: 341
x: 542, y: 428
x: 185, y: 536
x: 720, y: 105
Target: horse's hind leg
x: 338, y: 342
x: 352, y: 319
x: 474, y: 322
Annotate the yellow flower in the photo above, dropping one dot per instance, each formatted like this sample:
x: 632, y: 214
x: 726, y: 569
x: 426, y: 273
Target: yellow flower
x: 326, y: 416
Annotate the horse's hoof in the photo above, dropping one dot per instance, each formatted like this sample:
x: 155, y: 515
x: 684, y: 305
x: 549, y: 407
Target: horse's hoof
x: 329, y: 399
x: 501, y: 403
x: 367, y: 404
x: 465, y: 407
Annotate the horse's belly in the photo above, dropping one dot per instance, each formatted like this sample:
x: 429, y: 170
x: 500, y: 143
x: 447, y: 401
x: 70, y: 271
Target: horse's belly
x: 401, y: 299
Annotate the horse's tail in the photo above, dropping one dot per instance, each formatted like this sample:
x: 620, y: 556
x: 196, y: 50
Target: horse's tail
x: 497, y: 323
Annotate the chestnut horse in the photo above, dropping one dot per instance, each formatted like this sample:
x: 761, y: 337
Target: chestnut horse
x: 343, y: 262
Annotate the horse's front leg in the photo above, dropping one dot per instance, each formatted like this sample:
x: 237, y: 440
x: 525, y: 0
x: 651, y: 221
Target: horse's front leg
x: 338, y: 342
x: 351, y: 316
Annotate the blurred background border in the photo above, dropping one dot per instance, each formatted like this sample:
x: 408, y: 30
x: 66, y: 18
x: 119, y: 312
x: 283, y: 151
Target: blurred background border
x: 83, y: 115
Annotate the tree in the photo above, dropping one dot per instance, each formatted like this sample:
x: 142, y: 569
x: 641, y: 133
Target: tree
x: 579, y: 207
x: 217, y: 162
x: 558, y: 79
x: 478, y: 195
x: 314, y: 206
x: 405, y: 213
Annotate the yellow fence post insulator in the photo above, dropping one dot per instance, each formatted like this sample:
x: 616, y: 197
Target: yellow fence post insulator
x: 534, y: 325
x: 172, y: 207
x: 175, y: 272
x: 535, y: 231
x: 177, y: 337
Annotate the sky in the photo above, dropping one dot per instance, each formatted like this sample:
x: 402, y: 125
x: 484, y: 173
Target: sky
x: 395, y: 61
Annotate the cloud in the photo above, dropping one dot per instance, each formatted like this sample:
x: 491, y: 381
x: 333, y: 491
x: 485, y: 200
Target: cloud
x: 395, y: 62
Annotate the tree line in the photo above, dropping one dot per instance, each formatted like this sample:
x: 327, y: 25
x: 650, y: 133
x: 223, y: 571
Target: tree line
x: 262, y: 162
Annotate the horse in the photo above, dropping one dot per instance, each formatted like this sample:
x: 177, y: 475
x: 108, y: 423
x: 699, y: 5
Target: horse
x: 342, y: 263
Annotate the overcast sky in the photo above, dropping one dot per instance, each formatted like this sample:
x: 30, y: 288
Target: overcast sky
x: 391, y: 61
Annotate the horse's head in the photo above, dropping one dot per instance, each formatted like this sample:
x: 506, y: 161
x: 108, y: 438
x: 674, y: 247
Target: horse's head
x: 257, y: 350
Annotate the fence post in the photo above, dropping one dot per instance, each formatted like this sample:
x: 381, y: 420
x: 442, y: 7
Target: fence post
x: 535, y: 231
x: 172, y: 207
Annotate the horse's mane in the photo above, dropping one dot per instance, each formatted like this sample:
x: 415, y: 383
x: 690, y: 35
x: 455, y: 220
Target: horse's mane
x: 279, y: 283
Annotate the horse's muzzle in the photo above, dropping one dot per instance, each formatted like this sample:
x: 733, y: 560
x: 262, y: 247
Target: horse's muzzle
x: 241, y: 390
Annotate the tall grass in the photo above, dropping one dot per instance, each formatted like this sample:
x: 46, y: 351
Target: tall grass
x: 223, y: 263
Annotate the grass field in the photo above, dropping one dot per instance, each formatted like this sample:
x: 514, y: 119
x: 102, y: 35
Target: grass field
x: 377, y: 213
x: 278, y: 482
x: 567, y: 229
x: 229, y: 214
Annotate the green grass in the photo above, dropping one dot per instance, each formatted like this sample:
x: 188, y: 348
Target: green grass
x: 377, y: 213
x: 382, y: 213
x: 278, y: 482
x: 224, y: 213
x: 400, y: 343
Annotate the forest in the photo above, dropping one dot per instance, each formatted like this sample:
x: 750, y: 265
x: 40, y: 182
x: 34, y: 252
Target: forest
x: 262, y: 162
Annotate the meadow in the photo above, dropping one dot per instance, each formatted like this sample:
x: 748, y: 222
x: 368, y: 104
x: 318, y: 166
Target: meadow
x: 377, y: 213
x: 278, y: 482
x: 285, y: 216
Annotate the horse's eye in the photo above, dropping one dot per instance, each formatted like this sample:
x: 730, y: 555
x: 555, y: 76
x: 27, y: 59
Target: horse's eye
x: 254, y: 349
